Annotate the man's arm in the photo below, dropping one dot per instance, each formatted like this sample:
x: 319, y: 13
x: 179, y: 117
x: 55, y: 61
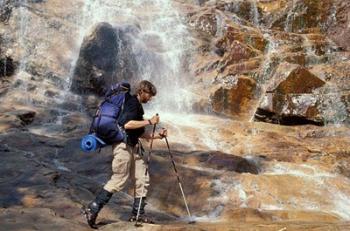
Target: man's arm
x: 134, y: 124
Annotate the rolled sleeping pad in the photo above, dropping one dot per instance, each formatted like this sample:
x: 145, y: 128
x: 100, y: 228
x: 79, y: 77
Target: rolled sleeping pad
x: 90, y: 143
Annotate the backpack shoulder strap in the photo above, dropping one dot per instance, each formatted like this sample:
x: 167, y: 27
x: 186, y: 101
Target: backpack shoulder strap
x: 122, y: 107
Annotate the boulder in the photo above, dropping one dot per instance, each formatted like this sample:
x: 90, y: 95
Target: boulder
x: 5, y: 11
x: 290, y: 96
x: 233, y: 95
x: 294, y: 79
x: 16, y: 119
x: 204, y: 22
x: 105, y: 57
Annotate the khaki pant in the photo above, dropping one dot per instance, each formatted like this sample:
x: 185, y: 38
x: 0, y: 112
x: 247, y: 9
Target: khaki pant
x: 128, y: 164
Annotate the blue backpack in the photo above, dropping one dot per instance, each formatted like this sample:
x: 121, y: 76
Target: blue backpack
x: 104, y: 129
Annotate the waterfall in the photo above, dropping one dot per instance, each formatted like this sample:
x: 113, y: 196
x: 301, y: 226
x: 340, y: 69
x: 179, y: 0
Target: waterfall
x: 160, y: 48
x: 22, y: 34
x: 254, y: 13
x: 267, y: 68
x: 22, y: 77
x: 288, y: 27
x: 166, y: 71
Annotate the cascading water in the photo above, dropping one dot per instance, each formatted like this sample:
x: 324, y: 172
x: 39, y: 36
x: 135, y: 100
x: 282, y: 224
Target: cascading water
x: 254, y: 13
x: 267, y: 68
x: 22, y: 77
x: 22, y: 34
x: 160, y: 48
x: 288, y: 27
x: 166, y: 67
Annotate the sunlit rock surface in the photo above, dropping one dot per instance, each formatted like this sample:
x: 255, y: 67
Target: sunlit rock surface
x: 255, y: 37
x: 278, y: 61
x: 235, y: 174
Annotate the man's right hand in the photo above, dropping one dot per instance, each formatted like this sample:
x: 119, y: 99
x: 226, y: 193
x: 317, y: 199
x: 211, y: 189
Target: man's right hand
x: 155, y: 119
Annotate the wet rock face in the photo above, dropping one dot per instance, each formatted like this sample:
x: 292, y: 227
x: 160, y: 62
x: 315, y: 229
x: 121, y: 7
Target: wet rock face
x: 257, y: 38
x: 16, y: 119
x: 46, y: 178
x: 299, y: 16
x: 290, y: 96
x: 205, y: 22
x: 297, y: 81
x: 105, y: 57
x: 233, y: 97
x: 339, y: 31
x: 5, y: 11
x: 233, y: 33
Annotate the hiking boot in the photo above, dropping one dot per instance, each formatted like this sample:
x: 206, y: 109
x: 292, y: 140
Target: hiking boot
x: 142, y: 219
x: 90, y: 216
x: 91, y: 211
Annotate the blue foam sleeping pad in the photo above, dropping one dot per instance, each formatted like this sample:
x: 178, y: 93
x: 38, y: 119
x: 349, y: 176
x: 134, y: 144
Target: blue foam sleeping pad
x: 90, y: 143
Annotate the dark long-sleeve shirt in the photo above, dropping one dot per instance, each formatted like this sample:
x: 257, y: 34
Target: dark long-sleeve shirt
x: 133, y: 110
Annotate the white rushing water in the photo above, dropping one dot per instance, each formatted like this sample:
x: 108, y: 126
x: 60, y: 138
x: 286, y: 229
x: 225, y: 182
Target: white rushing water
x: 162, y: 31
x: 254, y: 13
x: 22, y: 20
x: 288, y: 27
x: 22, y: 34
x: 267, y: 67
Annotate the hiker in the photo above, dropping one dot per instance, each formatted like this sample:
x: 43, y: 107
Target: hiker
x: 128, y: 161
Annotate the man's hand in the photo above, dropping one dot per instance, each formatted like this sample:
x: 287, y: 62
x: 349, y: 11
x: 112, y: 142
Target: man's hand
x: 163, y: 133
x: 154, y: 120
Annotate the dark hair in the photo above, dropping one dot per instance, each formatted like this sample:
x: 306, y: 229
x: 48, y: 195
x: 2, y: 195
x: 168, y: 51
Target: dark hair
x: 146, y: 86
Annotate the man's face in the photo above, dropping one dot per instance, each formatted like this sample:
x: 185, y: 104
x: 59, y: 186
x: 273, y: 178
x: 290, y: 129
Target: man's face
x: 145, y: 97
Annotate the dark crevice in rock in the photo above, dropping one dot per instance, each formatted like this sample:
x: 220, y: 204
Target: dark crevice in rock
x: 26, y: 117
x: 7, y: 66
x: 271, y: 117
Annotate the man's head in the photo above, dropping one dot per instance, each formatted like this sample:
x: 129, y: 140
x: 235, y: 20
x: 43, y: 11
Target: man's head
x: 145, y: 91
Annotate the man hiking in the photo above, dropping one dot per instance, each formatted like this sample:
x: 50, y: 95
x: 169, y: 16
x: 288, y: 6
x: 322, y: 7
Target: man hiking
x: 128, y: 161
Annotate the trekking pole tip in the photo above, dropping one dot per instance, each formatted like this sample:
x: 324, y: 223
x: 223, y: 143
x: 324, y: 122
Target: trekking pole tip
x: 192, y: 222
x: 138, y: 225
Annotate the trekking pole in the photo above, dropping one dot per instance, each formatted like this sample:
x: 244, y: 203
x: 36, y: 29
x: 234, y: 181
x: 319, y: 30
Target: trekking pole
x: 146, y: 172
x: 179, y: 181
